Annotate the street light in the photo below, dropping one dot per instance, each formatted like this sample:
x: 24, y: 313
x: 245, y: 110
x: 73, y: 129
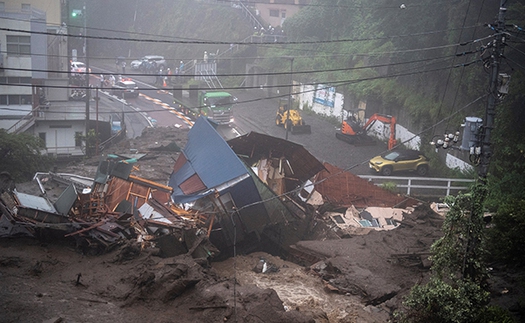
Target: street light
x: 76, y: 13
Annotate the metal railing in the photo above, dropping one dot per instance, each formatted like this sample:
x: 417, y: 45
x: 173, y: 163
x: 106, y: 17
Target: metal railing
x: 26, y: 121
x: 248, y: 14
x: 422, y: 185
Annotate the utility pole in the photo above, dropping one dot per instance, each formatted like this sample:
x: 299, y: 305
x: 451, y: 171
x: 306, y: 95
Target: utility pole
x: 476, y: 223
x: 88, y: 75
x: 490, y: 112
x: 289, y: 98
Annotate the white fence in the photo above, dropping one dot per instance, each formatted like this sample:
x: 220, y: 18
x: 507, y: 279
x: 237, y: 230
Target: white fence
x: 423, y: 185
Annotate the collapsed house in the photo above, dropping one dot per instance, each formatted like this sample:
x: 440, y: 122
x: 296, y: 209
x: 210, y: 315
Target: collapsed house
x: 244, y: 208
x: 253, y: 192
x: 114, y: 207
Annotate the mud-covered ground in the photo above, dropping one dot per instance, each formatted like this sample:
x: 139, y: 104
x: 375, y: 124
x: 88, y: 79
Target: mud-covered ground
x: 361, y: 278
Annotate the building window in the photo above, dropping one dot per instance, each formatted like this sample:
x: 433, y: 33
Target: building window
x: 15, y: 80
x: 78, y: 138
x: 15, y: 99
x: 283, y: 14
x: 2, y: 6
x: 26, y: 7
x: 18, y: 45
x: 42, y: 135
x: 274, y: 13
x: 25, y: 99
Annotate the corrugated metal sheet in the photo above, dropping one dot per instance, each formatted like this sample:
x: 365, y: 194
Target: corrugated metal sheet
x: 210, y: 155
x: 149, y: 213
x: 35, y: 202
x: 209, y: 158
x: 66, y: 200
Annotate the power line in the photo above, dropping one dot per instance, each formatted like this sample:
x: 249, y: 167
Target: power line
x: 315, y: 84
x: 201, y: 42
x: 339, y: 6
x: 334, y: 83
x: 444, y: 58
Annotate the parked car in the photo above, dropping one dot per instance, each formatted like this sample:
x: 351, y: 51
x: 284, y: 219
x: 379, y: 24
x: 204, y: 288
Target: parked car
x: 400, y: 160
x: 125, y: 88
x: 160, y: 62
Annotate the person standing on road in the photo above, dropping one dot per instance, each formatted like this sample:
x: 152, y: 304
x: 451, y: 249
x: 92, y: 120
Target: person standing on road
x: 168, y: 78
x: 158, y: 78
x: 123, y: 67
x: 177, y: 79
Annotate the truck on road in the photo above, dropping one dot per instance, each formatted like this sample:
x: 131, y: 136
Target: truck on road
x: 215, y: 105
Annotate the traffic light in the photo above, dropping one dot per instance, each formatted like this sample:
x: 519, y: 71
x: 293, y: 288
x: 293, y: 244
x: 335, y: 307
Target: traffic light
x: 76, y: 13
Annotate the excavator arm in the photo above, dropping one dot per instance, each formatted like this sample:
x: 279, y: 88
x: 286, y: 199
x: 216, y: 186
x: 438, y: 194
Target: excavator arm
x: 354, y: 133
x: 386, y: 119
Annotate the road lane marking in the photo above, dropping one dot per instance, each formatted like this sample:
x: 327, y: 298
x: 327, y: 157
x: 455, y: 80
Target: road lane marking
x: 171, y: 109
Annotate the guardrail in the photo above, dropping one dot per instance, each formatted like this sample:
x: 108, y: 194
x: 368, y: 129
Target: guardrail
x: 422, y: 185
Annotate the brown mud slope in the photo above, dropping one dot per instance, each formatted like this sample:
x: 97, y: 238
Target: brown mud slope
x: 54, y: 283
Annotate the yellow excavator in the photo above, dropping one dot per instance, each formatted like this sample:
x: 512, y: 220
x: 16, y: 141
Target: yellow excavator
x: 291, y: 119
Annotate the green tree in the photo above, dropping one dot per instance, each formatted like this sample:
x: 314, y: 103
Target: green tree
x: 456, y: 291
x: 507, y: 183
x: 89, y: 142
x: 21, y: 157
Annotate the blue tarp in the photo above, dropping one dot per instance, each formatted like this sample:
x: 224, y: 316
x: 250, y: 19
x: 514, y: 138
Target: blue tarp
x: 208, y: 156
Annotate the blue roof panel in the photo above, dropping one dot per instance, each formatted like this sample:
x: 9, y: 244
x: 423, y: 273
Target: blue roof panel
x: 209, y: 156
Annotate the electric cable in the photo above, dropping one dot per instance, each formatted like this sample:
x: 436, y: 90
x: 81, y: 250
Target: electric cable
x: 462, y: 71
x: 331, y: 83
x: 196, y: 42
x: 186, y: 75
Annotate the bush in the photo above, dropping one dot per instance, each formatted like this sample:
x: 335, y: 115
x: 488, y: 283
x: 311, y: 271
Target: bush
x: 438, y: 302
x: 390, y: 186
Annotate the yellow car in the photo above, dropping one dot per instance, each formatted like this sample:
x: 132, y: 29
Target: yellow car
x: 400, y: 160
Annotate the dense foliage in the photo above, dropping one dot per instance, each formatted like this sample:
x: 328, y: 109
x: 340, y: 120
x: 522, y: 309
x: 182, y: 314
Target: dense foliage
x: 455, y: 292
x: 20, y: 155
x: 173, y: 29
x: 400, y: 61
x: 507, y: 183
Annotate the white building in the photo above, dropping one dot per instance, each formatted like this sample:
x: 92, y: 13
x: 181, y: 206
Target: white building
x: 34, y: 60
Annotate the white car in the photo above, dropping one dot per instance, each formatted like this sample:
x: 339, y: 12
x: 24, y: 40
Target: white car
x: 159, y: 60
x: 78, y: 67
x: 125, y: 88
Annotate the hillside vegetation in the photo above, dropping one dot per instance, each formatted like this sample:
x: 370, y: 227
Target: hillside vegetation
x: 176, y: 26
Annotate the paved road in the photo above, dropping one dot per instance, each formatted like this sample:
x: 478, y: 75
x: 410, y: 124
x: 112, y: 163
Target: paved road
x: 254, y: 112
